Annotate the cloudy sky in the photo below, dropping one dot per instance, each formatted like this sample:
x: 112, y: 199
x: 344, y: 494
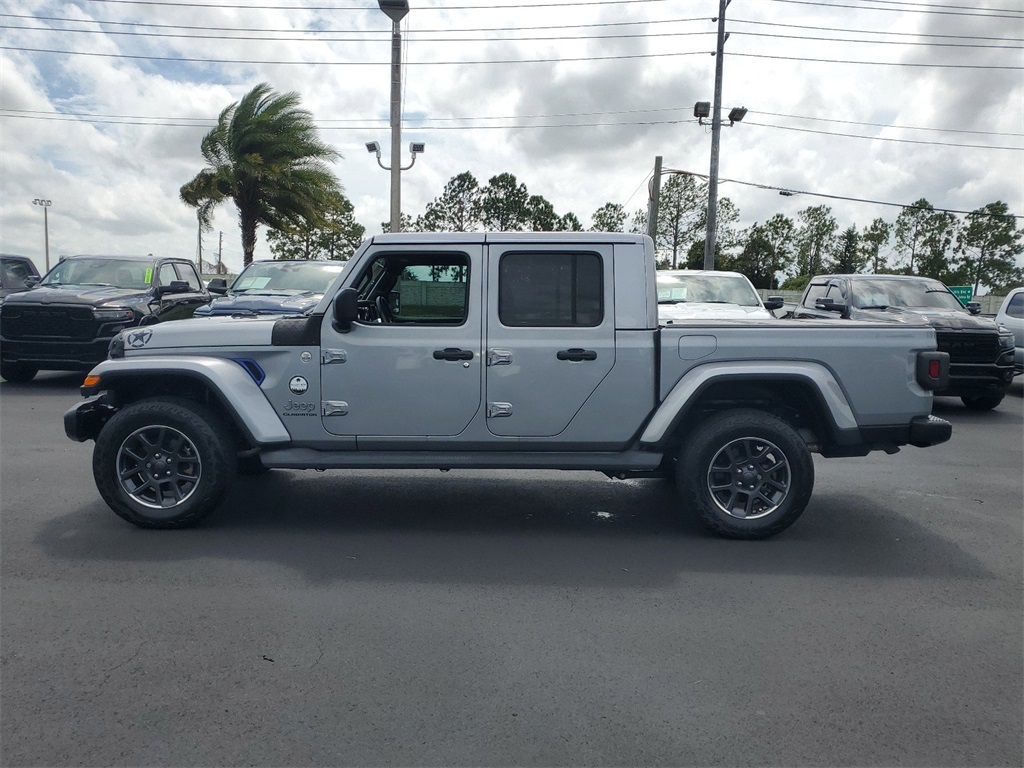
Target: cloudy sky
x: 103, y: 104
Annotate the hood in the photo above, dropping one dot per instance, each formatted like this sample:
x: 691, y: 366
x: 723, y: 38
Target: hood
x: 278, y: 303
x: 90, y: 295
x: 951, y: 319
x: 195, y: 334
x: 700, y: 311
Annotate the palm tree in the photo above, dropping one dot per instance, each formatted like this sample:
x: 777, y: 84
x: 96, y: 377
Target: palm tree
x: 266, y: 156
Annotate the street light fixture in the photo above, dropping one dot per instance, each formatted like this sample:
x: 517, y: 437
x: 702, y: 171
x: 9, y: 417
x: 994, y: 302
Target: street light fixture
x: 46, y: 227
x: 415, y: 148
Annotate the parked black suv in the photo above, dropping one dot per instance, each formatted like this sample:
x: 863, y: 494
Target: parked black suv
x: 17, y: 273
x: 980, y: 352
x: 68, y: 320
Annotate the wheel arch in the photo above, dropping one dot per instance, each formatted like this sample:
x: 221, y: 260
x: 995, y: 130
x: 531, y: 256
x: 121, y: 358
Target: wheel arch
x: 222, y: 385
x: 807, y: 396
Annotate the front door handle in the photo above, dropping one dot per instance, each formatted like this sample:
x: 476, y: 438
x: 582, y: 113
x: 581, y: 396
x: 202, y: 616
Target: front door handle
x: 576, y: 354
x: 453, y: 353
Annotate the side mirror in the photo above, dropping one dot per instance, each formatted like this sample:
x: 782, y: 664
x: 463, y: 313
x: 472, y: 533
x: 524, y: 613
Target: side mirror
x: 829, y: 305
x: 346, y: 309
x: 218, y: 285
x: 974, y: 307
x: 32, y: 281
x: 773, y: 303
x: 175, y: 286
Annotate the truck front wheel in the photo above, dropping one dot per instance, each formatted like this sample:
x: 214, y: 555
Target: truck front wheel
x: 746, y: 473
x: 163, y: 462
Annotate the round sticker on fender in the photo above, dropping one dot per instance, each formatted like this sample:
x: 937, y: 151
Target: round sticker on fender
x: 298, y: 385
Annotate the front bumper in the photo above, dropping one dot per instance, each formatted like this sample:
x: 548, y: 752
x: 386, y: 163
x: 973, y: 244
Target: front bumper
x: 84, y: 420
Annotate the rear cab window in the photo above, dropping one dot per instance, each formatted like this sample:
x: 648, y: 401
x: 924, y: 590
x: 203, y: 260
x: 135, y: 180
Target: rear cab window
x: 560, y: 289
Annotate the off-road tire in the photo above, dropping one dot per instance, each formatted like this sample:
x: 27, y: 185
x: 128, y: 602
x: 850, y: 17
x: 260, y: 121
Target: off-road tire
x: 17, y: 372
x: 163, y: 462
x: 711, y: 476
x: 982, y: 402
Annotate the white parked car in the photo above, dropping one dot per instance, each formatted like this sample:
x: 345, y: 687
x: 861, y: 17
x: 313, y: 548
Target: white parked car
x: 698, y: 294
x: 1011, y: 315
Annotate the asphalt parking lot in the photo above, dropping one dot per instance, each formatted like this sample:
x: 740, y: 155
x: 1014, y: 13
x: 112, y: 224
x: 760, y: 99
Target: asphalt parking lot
x: 493, y: 618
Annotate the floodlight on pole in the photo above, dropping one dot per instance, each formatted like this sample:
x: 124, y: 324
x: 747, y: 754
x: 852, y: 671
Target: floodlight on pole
x: 46, y: 227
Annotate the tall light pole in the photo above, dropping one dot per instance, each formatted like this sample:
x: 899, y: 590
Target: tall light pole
x: 46, y: 227
x: 396, y: 11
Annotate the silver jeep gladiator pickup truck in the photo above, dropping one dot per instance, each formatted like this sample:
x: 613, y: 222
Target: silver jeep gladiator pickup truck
x: 512, y: 350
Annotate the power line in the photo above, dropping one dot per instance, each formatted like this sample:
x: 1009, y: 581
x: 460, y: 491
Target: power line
x: 248, y: 6
x: 546, y: 60
x: 847, y: 30
x: 362, y: 122
x: 876, y: 63
x: 348, y: 63
x: 382, y: 33
x: 491, y: 39
x: 464, y: 128
x: 417, y: 38
x: 905, y: 10
x: 790, y: 191
x: 884, y: 125
x: 882, y: 138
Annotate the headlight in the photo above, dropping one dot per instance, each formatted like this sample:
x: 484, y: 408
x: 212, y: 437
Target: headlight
x: 113, y: 313
x: 1006, y: 340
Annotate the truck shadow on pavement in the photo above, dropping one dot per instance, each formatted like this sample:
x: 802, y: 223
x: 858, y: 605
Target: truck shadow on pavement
x: 564, y: 529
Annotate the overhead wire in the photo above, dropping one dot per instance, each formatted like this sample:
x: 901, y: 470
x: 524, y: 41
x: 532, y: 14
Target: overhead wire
x: 789, y: 191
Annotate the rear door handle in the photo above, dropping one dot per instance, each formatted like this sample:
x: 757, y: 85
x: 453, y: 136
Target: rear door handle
x: 453, y: 353
x: 576, y: 354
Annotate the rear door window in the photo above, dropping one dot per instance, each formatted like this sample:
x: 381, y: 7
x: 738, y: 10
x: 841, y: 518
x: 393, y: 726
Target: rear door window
x: 550, y: 289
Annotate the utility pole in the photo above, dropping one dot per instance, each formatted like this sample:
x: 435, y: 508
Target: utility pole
x: 716, y: 132
x: 199, y: 246
x: 652, y: 204
x: 220, y: 252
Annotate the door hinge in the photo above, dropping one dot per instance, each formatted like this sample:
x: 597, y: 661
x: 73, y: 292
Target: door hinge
x: 328, y: 356
x: 499, y: 357
x: 494, y: 410
x: 334, y: 407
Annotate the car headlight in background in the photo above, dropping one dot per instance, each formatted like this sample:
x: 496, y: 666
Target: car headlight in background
x: 113, y: 313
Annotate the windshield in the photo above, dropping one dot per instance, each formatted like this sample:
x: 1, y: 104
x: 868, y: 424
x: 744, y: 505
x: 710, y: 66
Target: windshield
x: 112, y: 273
x: 676, y: 288
x: 919, y: 292
x: 287, y: 277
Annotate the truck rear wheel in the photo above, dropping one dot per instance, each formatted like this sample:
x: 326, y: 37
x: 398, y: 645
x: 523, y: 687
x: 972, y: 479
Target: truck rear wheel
x: 982, y: 402
x: 746, y: 473
x: 163, y: 462
x: 17, y: 372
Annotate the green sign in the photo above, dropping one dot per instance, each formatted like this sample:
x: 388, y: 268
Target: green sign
x: 963, y: 292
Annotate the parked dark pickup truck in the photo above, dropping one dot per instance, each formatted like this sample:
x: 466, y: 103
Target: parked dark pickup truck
x: 980, y: 352
x: 17, y: 273
x: 67, y: 321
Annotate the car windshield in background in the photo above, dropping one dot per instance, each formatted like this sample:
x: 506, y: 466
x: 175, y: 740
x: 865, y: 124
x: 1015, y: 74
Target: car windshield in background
x: 708, y: 289
x: 922, y: 293
x: 287, y: 277
x: 111, y: 273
